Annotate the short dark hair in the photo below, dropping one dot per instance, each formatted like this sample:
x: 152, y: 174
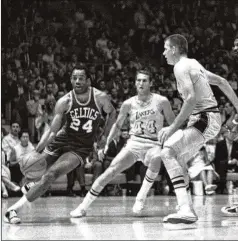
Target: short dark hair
x: 179, y: 41
x: 15, y: 122
x: 144, y: 71
x: 24, y: 131
x: 80, y: 67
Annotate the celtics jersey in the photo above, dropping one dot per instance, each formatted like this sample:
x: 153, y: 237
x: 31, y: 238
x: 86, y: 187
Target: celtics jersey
x: 82, y: 119
x: 146, y: 119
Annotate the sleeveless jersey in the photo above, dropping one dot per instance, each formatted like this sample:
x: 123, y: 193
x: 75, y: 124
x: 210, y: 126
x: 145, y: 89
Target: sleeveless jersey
x: 82, y: 120
x: 146, y: 121
x: 204, y: 94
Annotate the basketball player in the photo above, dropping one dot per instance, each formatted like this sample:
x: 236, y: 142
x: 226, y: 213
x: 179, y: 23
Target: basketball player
x: 233, y: 209
x: 200, y: 106
x: 83, y: 108
x: 146, y: 112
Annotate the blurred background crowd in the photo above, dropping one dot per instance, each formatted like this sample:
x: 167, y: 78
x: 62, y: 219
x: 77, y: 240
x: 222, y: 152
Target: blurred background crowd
x: 43, y: 40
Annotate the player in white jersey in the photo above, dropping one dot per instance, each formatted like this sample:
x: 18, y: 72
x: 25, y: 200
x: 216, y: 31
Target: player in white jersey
x: 204, y: 121
x: 232, y: 210
x: 146, y: 112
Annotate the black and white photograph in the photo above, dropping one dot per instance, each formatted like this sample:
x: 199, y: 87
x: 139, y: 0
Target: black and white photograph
x: 119, y: 120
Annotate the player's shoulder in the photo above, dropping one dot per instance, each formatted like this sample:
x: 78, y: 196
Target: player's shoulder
x: 128, y: 102
x: 185, y: 64
x: 66, y: 98
x: 64, y: 102
x: 160, y: 98
x: 98, y: 94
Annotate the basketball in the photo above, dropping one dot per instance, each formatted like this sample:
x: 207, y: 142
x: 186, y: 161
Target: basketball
x: 33, y: 165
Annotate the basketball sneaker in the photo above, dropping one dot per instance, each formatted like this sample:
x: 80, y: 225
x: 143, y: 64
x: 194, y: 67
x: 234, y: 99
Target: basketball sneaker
x: 181, y: 217
x: 26, y: 187
x: 138, y: 207
x: 210, y: 187
x: 11, y: 217
x: 231, y: 211
x: 78, y: 212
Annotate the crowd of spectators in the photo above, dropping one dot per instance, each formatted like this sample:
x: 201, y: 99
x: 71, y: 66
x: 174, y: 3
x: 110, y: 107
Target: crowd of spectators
x: 43, y: 40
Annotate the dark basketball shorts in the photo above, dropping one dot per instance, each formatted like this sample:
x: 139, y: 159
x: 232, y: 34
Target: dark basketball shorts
x: 63, y: 143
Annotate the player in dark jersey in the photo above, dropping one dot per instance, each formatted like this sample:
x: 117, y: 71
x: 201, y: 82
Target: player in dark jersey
x: 67, y: 147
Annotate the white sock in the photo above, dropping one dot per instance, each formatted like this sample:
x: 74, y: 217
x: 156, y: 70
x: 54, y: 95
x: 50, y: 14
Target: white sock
x: 146, y: 185
x: 182, y: 198
x: 19, y: 204
x: 91, y: 195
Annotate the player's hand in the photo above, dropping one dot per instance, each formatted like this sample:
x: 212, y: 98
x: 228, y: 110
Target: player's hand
x: 235, y: 120
x: 102, y: 153
x: 164, y: 134
x: 88, y: 165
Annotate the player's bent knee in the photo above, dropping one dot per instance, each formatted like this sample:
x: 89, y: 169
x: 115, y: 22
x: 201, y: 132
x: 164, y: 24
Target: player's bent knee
x: 155, y: 164
x: 49, y: 177
x: 167, y: 153
x: 111, y: 172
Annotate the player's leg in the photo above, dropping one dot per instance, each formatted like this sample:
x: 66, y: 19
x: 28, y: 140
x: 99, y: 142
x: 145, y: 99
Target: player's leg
x: 121, y: 162
x: 50, y: 159
x: 153, y: 161
x: 9, y: 184
x: 4, y: 190
x: 182, y: 144
x: 65, y: 163
x: 210, y: 187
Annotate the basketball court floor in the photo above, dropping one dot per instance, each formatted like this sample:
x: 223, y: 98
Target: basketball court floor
x: 112, y: 218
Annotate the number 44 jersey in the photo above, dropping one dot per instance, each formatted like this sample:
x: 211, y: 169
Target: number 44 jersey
x: 82, y: 119
x: 146, y: 119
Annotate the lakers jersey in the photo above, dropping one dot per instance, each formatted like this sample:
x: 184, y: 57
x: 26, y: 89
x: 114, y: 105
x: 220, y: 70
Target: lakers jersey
x: 82, y: 119
x: 205, y: 98
x: 146, y: 120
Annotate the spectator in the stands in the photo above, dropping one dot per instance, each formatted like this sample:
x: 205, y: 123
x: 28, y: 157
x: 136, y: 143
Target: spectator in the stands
x: 6, y: 182
x: 226, y: 155
x: 101, y: 43
x: 19, y: 151
x: 48, y: 57
x: 229, y: 113
x: 8, y: 143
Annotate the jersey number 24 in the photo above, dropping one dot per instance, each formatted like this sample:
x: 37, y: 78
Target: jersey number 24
x: 75, y: 124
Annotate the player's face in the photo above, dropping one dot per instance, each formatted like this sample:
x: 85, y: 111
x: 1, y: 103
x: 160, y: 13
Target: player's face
x: 79, y: 81
x: 169, y: 52
x: 143, y: 83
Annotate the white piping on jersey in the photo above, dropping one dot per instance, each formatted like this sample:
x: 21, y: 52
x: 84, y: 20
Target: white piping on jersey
x: 96, y: 102
x: 89, y: 99
x: 71, y: 102
x: 140, y: 103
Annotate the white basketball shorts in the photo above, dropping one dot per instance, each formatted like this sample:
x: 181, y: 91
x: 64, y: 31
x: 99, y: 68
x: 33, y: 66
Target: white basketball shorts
x: 142, y: 148
x: 200, y: 129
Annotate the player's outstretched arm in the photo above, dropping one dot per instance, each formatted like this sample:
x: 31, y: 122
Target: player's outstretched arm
x: 61, y: 107
x: 116, y: 127
x: 224, y: 86
x: 167, y: 111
